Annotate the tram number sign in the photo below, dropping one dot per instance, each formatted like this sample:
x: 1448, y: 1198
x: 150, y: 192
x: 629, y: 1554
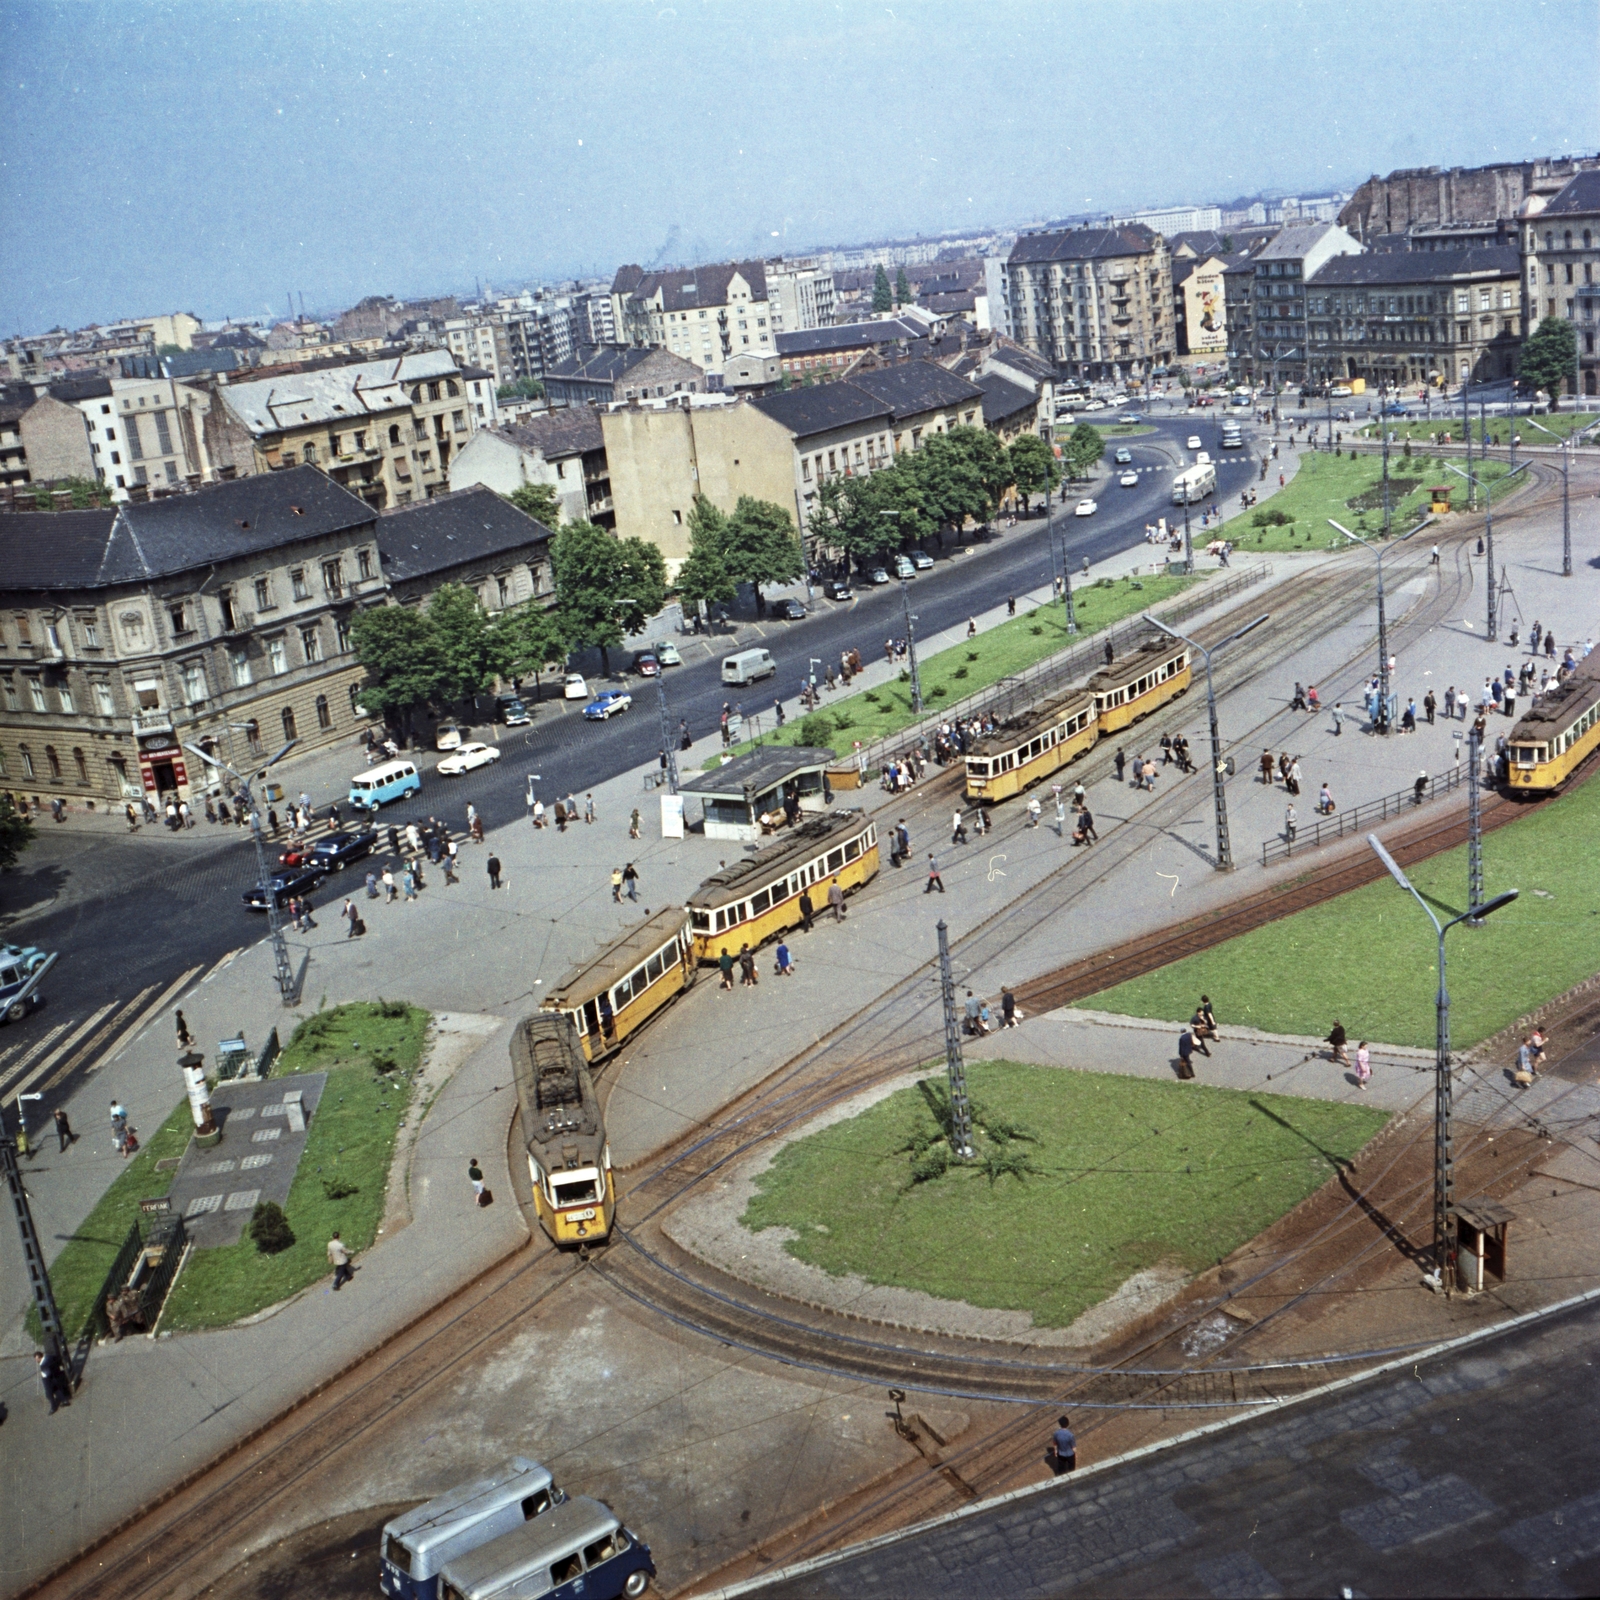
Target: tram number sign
x: 578, y: 1216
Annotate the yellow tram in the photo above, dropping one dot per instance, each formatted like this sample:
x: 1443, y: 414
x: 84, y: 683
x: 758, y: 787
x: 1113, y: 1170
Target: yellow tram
x: 1559, y: 733
x: 1032, y: 746
x: 1141, y: 683
x: 613, y: 993
x: 569, y: 1159
x: 753, y: 900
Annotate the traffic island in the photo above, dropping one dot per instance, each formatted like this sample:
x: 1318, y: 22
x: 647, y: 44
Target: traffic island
x: 1089, y: 1190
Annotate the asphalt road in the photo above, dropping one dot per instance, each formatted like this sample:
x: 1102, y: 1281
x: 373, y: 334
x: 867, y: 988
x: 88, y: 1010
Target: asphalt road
x: 129, y: 923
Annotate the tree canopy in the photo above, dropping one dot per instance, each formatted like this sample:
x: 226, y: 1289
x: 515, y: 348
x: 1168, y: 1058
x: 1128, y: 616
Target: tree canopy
x: 882, y: 294
x: 1085, y: 446
x: 902, y: 289
x: 704, y: 574
x: 606, y: 587
x: 759, y: 545
x: 398, y: 647
x: 521, y: 388
x: 1034, y: 468
x: 527, y: 639
x: 539, y: 501
x: 1550, y: 357
x: 16, y: 833
x: 463, y: 651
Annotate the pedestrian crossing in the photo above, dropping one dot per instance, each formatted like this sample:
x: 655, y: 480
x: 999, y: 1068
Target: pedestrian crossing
x: 88, y: 1041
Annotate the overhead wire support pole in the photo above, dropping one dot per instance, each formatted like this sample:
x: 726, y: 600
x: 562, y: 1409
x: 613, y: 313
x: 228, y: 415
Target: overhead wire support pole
x: 44, y: 1299
x: 1569, y: 447
x: 1383, y: 624
x: 669, y: 745
x: 1444, y: 1217
x: 1219, y: 767
x: 1474, y: 828
x: 911, y: 646
x: 955, y: 1066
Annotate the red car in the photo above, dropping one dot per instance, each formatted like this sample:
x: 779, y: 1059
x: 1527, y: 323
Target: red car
x: 646, y: 665
x: 295, y: 858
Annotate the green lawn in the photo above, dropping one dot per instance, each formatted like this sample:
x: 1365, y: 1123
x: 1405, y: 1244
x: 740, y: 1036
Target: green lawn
x: 1500, y: 428
x: 1131, y: 1173
x: 963, y: 669
x: 1349, y: 489
x: 351, y: 1142
x: 78, y: 1272
x: 1114, y: 430
x: 1367, y: 957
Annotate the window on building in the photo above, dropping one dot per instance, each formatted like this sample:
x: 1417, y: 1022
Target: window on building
x: 277, y: 656
x: 180, y: 617
x: 309, y: 455
x: 9, y: 688
x: 163, y: 433
x: 194, y: 682
x: 64, y: 693
x: 324, y: 715
x: 104, y: 705
x: 54, y: 762
x: 333, y: 577
x: 433, y: 391
x: 24, y: 631
x: 79, y: 761
x: 394, y: 433
x: 135, y: 443
x: 504, y: 590
x: 140, y: 475
x: 361, y: 438
x: 287, y: 718
x: 36, y: 694
x: 311, y: 643
x: 27, y: 760
x: 297, y: 578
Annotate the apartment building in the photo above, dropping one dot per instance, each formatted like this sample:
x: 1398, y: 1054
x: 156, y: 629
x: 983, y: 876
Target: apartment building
x: 924, y: 399
x: 470, y: 537
x: 800, y: 294
x: 480, y: 342
x: 385, y: 430
x: 824, y: 352
x: 1410, y: 317
x: 143, y: 432
x: 1281, y: 270
x: 700, y: 314
x: 1096, y: 302
x: 1561, y: 260
x: 128, y: 634
x: 565, y: 449
x: 616, y: 372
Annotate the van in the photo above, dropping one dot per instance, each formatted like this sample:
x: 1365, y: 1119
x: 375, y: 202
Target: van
x: 747, y: 667
x: 379, y: 785
x: 579, y: 1548
x: 417, y: 1546
x: 903, y: 567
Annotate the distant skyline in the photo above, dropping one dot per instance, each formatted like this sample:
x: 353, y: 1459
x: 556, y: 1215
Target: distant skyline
x: 193, y: 156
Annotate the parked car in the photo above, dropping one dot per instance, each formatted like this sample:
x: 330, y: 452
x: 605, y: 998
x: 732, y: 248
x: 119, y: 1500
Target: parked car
x: 466, y: 759
x: 337, y: 850
x: 1193, y: 442
x: 1341, y: 391
x: 574, y: 687
x: 284, y: 885
x: 646, y: 665
x: 1129, y: 479
x: 512, y: 711
x: 877, y: 575
x: 607, y: 703
x: 1085, y: 508
x: 666, y: 653
x: 1123, y: 458
x: 450, y: 736
x: 838, y: 589
x: 1095, y: 405
x: 1395, y: 409
x: 788, y: 610
x: 922, y: 561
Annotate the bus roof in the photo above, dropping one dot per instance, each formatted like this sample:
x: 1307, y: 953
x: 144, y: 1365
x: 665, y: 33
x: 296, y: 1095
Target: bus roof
x: 796, y: 846
x: 492, y: 1568
x: 614, y: 961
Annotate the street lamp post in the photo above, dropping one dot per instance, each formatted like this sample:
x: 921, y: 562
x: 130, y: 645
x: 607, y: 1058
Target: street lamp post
x: 283, y: 970
x: 1568, y: 449
x: 1488, y: 539
x: 911, y: 646
x: 1444, y: 1220
x: 1383, y: 425
x: 1219, y: 767
x: 1382, y: 720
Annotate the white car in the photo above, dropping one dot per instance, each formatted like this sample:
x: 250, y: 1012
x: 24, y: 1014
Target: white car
x: 1130, y: 416
x: 1095, y: 405
x: 1085, y: 508
x: 449, y: 737
x: 575, y: 687
x: 666, y: 653
x: 1194, y: 442
x: 466, y: 758
x: 1129, y: 480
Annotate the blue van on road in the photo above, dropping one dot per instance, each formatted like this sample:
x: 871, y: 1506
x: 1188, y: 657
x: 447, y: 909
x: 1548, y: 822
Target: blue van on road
x: 379, y: 785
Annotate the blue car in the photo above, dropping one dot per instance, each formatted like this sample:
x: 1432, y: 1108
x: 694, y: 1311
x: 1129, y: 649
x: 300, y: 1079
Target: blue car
x: 1395, y: 409
x: 337, y: 849
x: 607, y: 703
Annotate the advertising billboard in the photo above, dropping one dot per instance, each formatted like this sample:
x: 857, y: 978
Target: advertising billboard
x: 1204, y: 312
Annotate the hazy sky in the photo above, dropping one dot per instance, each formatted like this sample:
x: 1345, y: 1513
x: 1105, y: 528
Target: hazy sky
x: 211, y: 157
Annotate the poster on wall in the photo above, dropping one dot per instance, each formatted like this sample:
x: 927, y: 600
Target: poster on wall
x: 672, y: 816
x: 1204, y: 309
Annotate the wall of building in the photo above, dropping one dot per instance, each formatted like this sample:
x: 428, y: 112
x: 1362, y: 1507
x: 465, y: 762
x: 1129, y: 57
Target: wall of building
x: 56, y: 440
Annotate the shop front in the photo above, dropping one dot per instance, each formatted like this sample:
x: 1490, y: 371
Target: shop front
x: 161, y: 766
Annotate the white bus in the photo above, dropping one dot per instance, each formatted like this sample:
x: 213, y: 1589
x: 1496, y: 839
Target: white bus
x: 1195, y: 484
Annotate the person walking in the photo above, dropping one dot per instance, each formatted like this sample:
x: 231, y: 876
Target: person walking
x: 1450, y: 704
x: 1408, y: 718
x: 958, y: 830
x: 836, y: 900
x: 633, y: 823
x: 475, y: 1178
x: 1120, y: 762
x: 450, y: 862
x: 119, y: 1127
x: 630, y: 880
x: 388, y: 886
x: 1338, y: 1039
x: 588, y: 808
x: 807, y: 911
x: 1034, y: 811
x: 1011, y: 605
x: 748, y: 978
x: 53, y: 1379
x: 1429, y: 706
x: 972, y: 627
x: 1186, y: 1055
x: 974, y: 1011
x: 1008, y: 1008
x: 934, y: 880
x: 1266, y: 768
x: 1085, y: 831
x: 616, y: 885
x: 783, y: 961
x: 64, y: 1133
x: 351, y: 916
x: 184, y: 1039
x: 339, y: 1255
x: 408, y: 882
x: 1338, y: 719
x: 1289, y: 825
x: 725, y: 967
x: 1291, y: 779
x: 1061, y: 815
x: 1363, y: 1065
x: 492, y: 865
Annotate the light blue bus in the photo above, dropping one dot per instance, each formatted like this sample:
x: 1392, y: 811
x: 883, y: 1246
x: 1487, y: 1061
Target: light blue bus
x: 379, y: 785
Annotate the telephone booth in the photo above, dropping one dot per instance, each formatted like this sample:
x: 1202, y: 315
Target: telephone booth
x: 1481, y: 1227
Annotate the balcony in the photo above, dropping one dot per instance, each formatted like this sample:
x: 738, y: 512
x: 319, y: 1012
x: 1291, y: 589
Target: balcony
x: 151, y: 721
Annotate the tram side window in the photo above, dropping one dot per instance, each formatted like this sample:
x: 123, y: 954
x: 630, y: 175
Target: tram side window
x: 835, y: 860
x: 621, y: 995
x: 777, y: 891
x: 701, y: 921
x: 759, y: 901
x: 640, y: 982
x: 652, y: 968
x: 852, y: 849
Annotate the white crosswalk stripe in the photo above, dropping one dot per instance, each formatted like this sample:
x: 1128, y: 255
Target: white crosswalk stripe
x: 39, y: 1047
x: 73, y: 1037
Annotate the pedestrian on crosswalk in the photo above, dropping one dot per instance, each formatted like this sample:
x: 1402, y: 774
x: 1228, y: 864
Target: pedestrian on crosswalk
x: 450, y: 863
x: 934, y: 880
x: 351, y: 916
x: 388, y: 886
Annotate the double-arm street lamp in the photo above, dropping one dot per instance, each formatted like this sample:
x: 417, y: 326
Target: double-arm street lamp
x: 911, y: 627
x: 1219, y: 767
x: 282, y: 969
x: 1275, y: 355
x: 1569, y: 446
x: 1493, y: 619
x: 1381, y: 721
x: 1444, y: 1220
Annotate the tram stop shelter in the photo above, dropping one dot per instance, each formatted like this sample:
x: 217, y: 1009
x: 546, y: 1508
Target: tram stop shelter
x: 757, y: 793
x: 1481, y: 1228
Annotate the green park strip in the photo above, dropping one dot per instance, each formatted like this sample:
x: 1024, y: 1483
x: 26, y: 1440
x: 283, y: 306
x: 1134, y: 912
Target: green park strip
x: 1086, y: 1179
x: 1120, y: 430
x: 1368, y: 957
x: 1500, y: 429
x: 370, y: 1052
x: 1349, y: 489
x: 1003, y: 651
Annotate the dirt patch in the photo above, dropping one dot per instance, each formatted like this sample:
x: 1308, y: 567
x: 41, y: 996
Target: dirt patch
x: 335, y: 1560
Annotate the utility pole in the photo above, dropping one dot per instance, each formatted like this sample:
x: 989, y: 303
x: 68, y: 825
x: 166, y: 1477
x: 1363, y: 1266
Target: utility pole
x: 1568, y: 447
x: 1466, y: 431
x: 1474, y: 830
x: 669, y: 744
x: 1493, y: 618
x: 44, y: 1298
x: 955, y: 1067
x: 1219, y: 767
x: 911, y: 646
x: 1383, y: 424
x: 1383, y: 626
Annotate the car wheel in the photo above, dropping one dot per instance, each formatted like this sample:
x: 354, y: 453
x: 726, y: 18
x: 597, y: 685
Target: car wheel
x: 338, y: 865
x: 637, y: 1582
x: 18, y: 1009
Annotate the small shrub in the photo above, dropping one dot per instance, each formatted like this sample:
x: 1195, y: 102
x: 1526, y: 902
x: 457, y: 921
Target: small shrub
x: 339, y: 1188
x: 997, y: 1164
x: 391, y: 1008
x: 1036, y: 630
x: 972, y: 655
x: 313, y: 1031
x: 815, y: 727
x: 269, y: 1228
x: 871, y: 697
x: 960, y: 672
x: 1271, y: 517
x: 1105, y: 583
x: 939, y: 693
x: 905, y: 676
x: 843, y: 718
x: 934, y: 1163
x: 383, y: 1061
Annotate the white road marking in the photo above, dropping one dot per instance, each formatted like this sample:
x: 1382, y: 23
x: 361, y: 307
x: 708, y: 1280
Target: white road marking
x: 72, y: 1038
x: 224, y: 963
x: 140, y: 1022
x: 42, y: 1045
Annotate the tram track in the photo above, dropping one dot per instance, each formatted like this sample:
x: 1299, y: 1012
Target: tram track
x: 171, y: 1547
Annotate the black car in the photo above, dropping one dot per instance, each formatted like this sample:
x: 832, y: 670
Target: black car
x: 336, y: 850
x: 788, y: 610
x: 284, y: 885
x: 838, y: 589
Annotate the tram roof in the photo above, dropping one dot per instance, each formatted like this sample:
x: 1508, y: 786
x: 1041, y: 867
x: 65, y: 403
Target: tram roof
x: 1560, y: 703
x: 615, y: 960
x: 1132, y: 664
x: 757, y: 771
x: 738, y: 878
x: 1020, y: 728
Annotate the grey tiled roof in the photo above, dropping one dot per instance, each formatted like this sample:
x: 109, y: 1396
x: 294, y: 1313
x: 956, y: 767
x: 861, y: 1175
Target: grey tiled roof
x: 686, y: 288
x: 1580, y: 196
x: 1084, y: 244
x: 1418, y: 266
x: 451, y: 530
x: 822, y: 408
x: 847, y: 336
x: 1002, y: 399
x: 603, y: 363
x: 910, y: 387
x: 572, y: 431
